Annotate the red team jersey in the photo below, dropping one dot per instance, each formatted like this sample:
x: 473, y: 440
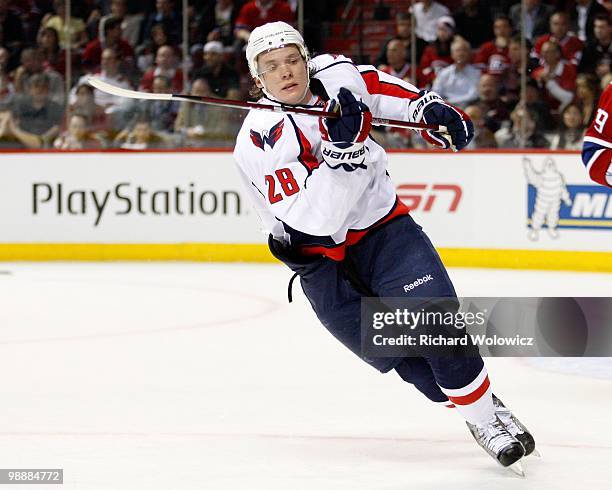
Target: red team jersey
x: 491, y: 59
x: 251, y: 15
x: 597, y: 148
x: 571, y: 47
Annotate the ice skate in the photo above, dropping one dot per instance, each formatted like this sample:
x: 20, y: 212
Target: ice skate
x: 515, y: 427
x: 496, y: 440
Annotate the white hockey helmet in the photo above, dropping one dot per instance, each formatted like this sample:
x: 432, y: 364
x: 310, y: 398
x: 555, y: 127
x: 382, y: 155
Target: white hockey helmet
x: 269, y: 36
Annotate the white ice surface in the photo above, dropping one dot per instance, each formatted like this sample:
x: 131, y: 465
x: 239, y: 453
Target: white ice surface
x: 200, y: 376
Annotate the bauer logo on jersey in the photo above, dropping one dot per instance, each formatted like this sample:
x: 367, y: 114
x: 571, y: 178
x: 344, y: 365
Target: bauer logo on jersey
x: 553, y: 204
x: 271, y: 136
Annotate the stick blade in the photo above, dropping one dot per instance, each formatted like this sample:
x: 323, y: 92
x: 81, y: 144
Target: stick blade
x: 124, y: 92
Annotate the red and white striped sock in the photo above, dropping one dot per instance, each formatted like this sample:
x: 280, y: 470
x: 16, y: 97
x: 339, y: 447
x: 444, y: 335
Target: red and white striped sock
x: 474, y: 401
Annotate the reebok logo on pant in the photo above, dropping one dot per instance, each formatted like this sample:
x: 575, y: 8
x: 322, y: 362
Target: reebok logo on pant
x: 418, y: 282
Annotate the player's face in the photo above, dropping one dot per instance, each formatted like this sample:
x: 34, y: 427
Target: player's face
x: 284, y: 73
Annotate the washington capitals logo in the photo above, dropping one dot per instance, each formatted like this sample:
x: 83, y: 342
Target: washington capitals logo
x: 271, y: 136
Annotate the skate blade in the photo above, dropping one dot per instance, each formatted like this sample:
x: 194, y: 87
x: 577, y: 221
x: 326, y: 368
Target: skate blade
x: 517, y: 469
x: 536, y: 453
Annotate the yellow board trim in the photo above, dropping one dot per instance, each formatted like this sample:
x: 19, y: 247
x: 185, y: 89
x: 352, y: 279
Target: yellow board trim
x: 223, y: 252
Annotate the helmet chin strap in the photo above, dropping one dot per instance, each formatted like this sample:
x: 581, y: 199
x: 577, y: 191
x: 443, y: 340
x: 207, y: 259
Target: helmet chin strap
x: 271, y: 97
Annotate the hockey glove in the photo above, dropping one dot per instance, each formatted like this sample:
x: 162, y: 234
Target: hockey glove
x: 433, y: 110
x: 342, y: 138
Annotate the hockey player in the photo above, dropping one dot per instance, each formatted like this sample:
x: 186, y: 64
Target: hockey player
x: 597, y: 147
x: 322, y: 191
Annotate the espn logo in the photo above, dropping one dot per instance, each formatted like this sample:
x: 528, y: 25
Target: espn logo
x: 424, y: 197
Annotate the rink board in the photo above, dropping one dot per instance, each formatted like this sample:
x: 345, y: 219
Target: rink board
x: 477, y: 207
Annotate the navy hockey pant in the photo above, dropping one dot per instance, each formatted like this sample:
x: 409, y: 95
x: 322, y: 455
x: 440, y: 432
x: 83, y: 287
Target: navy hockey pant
x: 388, y: 258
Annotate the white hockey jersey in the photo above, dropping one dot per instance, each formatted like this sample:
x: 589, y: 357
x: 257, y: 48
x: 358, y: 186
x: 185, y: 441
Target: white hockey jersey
x: 299, y: 198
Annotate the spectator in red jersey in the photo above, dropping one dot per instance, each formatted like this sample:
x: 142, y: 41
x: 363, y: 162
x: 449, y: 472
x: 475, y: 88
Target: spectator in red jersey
x: 474, y: 22
x: 259, y: 12
x: 598, y: 53
x: 571, y: 46
x: 165, y: 66
x: 492, y: 57
x: 397, y: 63
x: 556, y: 77
x: 403, y: 32
x: 112, y: 39
x: 437, y: 54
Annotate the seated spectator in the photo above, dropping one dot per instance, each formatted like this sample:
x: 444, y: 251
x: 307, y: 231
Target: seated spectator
x: 54, y: 57
x: 166, y: 15
x: 587, y: 96
x: 537, y: 106
x: 255, y: 13
x: 474, y: 22
x: 130, y: 23
x: 492, y: 56
x: 146, y: 52
x: 494, y: 110
x: 403, y: 32
x: 535, y: 22
x: 140, y: 136
x: 109, y: 73
x: 32, y: 64
x: 510, y: 80
x: 483, y: 136
x: 458, y: 83
x: 571, y: 133
x: 437, y: 54
x: 160, y: 113
x: 92, y: 54
x: 427, y: 13
x: 85, y: 105
x: 598, y: 52
x: 582, y: 18
x: 571, y: 46
x: 216, y: 21
x: 511, y: 137
x: 34, y: 119
x: 222, y: 78
x: 397, y: 63
x: 76, y: 28
x: 78, y: 136
x: 205, y: 125
x: 7, y: 89
x: 556, y: 77
x: 12, y: 35
x: 166, y: 65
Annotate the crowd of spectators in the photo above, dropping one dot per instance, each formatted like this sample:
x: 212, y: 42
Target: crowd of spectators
x: 469, y: 51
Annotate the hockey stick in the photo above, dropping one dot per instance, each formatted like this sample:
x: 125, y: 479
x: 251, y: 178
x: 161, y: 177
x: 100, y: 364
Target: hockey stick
x: 238, y: 104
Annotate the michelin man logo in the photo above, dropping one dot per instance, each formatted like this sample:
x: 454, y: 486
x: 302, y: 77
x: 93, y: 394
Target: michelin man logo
x: 551, y: 190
